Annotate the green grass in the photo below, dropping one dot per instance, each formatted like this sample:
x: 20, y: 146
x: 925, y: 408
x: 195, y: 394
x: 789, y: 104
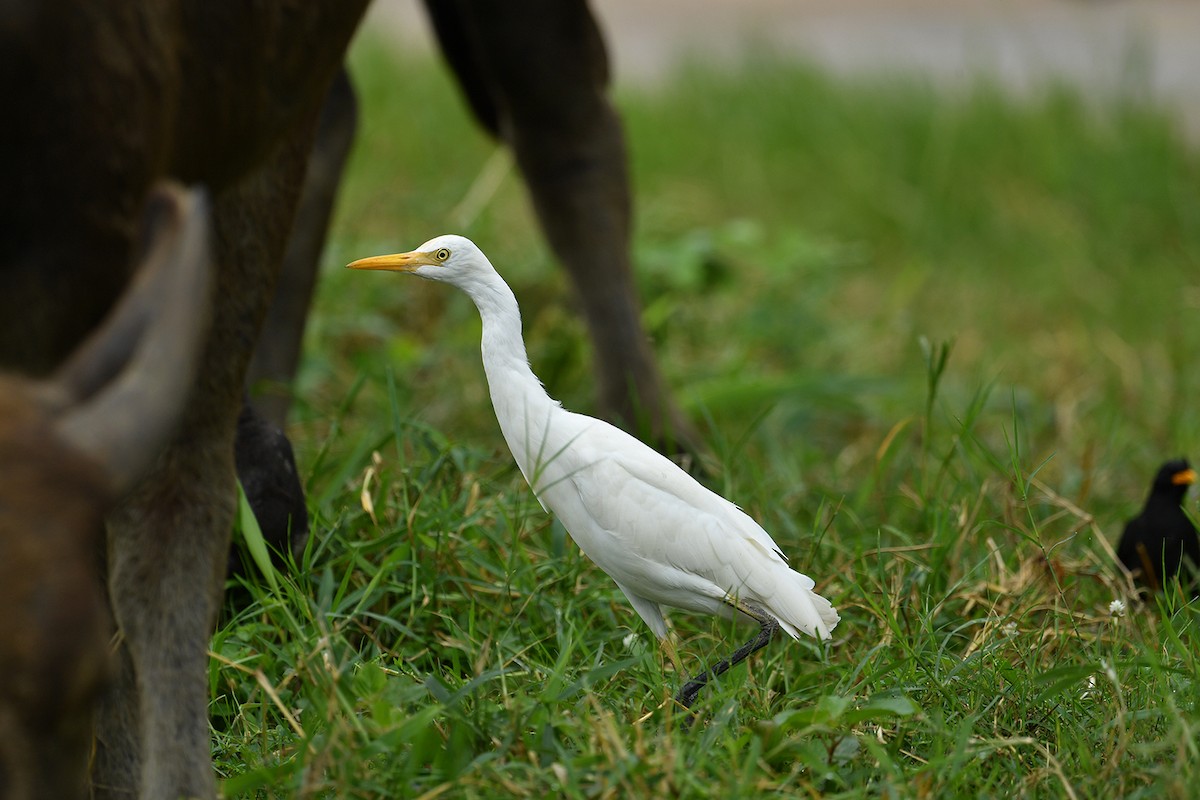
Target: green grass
x: 939, y: 343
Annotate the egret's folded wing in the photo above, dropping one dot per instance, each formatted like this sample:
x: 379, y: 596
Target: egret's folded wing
x: 680, y: 495
x: 660, y: 511
x: 666, y: 538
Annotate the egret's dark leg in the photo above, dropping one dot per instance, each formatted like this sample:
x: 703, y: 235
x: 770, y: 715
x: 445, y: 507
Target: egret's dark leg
x: 687, y: 695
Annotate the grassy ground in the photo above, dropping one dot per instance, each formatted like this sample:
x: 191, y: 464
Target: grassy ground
x: 940, y: 344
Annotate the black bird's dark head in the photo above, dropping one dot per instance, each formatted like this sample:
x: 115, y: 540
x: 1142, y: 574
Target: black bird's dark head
x: 1173, y: 479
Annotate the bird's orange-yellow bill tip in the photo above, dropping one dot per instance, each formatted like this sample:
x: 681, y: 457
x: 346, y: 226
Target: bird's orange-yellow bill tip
x: 399, y: 262
x: 1184, y: 477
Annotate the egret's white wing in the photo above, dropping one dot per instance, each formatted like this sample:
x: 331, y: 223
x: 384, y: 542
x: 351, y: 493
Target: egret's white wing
x: 618, y: 461
x: 664, y: 537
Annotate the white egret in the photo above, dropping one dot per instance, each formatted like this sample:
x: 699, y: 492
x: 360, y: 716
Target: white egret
x: 665, y: 539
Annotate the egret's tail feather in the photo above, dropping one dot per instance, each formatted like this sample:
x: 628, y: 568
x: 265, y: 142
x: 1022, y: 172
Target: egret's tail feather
x: 799, y: 609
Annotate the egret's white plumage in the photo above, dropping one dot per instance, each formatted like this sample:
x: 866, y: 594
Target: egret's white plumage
x: 662, y: 536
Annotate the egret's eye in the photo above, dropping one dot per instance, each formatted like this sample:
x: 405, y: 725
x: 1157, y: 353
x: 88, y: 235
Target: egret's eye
x: 442, y: 254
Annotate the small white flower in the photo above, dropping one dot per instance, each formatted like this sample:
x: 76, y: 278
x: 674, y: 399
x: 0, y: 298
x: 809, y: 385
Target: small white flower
x: 1117, y: 608
x: 1009, y: 629
x: 1091, y: 687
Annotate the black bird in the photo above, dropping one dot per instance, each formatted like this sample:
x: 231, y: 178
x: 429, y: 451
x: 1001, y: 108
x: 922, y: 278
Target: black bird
x: 1156, y: 541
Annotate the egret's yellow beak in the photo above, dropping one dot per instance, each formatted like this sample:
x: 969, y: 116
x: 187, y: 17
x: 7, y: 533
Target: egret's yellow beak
x: 1187, y: 476
x: 400, y: 262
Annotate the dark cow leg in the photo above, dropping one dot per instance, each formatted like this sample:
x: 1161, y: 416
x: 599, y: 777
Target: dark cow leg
x: 542, y: 88
x: 265, y: 464
x: 173, y: 531
x: 267, y: 470
x: 117, y: 761
x: 278, y: 351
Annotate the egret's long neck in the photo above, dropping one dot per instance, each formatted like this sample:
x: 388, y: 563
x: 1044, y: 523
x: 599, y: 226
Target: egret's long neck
x: 503, y: 348
x: 522, y: 406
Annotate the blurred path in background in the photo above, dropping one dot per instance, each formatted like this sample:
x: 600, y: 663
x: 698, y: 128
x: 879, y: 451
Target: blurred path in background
x: 1148, y: 47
